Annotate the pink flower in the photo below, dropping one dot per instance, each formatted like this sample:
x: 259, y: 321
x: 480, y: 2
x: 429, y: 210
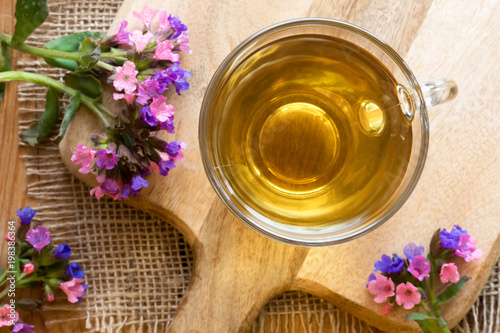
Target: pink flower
x: 386, y: 309
x: 125, y: 77
x: 122, y: 35
x: 381, y: 287
x: 449, y: 273
x: 28, y: 268
x: 164, y: 50
x: 164, y: 22
x: 419, y: 267
x: 83, y: 156
x: 50, y: 297
x: 147, y: 15
x: 467, y: 248
x: 74, y: 289
x: 407, y: 295
x: 128, y: 97
x: 160, y: 109
x: 9, y: 238
x: 141, y: 40
x: 8, y: 316
x: 183, y: 41
x: 110, y: 187
x: 39, y: 237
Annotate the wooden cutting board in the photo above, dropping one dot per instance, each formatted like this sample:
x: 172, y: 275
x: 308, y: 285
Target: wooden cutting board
x: 237, y: 270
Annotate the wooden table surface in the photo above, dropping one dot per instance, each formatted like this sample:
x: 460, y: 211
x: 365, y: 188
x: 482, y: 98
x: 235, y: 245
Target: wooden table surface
x: 463, y: 44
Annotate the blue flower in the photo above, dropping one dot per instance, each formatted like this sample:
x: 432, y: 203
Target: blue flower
x: 148, y: 116
x: 173, y: 148
x: 177, y: 25
x: 138, y: 183
x: 85, y: 287
x: 166, y: 166
x: 26, y: 214
x: 371, y: 278
x: 449, y: 240
x: 411, y: 250
x: 63, y: 251
x: 73, y: 270
x: 388, y: 265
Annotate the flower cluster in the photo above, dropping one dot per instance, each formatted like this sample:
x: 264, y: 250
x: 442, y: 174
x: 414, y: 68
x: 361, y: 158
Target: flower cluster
x: 130, y: 151
x: 409, y: 282
x: 38, y: 264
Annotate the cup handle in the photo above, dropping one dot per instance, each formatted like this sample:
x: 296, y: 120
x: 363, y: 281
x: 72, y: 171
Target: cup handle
x: 439, y: 91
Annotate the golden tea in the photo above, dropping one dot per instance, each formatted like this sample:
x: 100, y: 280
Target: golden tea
x: 310, y: 132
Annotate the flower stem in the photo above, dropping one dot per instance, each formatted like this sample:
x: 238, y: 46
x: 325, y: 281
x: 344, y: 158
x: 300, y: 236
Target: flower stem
x: 43, y: 53
x: 48, y: 82
x: 426, y: 308
x: 109, y: 67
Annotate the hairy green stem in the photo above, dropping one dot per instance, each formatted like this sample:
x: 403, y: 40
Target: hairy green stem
x: 45, y: 53
x: 48, y: 82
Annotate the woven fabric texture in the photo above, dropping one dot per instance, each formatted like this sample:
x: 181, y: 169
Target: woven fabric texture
x: 138, y: 266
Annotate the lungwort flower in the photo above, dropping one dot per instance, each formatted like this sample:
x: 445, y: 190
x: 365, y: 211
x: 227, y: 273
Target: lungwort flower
x: 124, y: 155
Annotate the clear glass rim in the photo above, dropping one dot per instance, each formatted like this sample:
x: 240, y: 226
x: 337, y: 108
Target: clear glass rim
x: 294, y: 235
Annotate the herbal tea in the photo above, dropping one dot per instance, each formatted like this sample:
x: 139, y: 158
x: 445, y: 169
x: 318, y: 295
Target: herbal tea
x: 311, y: 132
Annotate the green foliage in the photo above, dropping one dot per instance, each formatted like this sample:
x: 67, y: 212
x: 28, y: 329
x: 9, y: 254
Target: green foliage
x: 88, y: 84
x: 40, y: 130
x: 69, y: 43
x: 427, y: 323
x: 451, y: 291
x: 90, y: 52
x: 29, y: 15
x: 74, y: 103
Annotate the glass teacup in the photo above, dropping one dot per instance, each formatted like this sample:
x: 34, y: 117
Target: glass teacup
x: 314, y: 132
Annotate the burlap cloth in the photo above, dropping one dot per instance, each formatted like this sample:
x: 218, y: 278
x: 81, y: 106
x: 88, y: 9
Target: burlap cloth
x: 138, y: 266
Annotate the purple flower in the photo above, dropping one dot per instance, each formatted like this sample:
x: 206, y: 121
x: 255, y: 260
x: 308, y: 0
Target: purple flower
x: 148, y: 117
x: 63, y: 251
x: 39, y: 237
x: 173, y: 148
x: 371, y: 277
x: 411, y: 250
x: 26, y: 214
x: 449, y: 240
x: 127, y: 191
x: 166, y: 166
x: 168, y: 125
x: 388, y: 265
x: 122, y: 35
x: 108, y: 186
x: 106, y: 159
x: 419, y: 267
x: 147, y: 90
x: 179, y: 76
x: 177, y: 25
x: 73, y: 270
x: 174, y: 74
x: 23, y: 328
x: 138, y: 182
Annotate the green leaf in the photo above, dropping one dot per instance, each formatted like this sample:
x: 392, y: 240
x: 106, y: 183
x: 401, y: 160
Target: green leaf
x: 4, y: 65
x: 451, y: 291
x: 39, y: 131
x: 29, y: 15
x: 90, y: 53
x: 1, y: 270
x: 74, y: 102
x: 88, y: 84
x: 427, y: 323
x: 69, y: 43
x: 28, y: 304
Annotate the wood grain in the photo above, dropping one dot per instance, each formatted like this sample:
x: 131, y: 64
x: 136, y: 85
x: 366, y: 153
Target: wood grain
x: 237, y: 270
